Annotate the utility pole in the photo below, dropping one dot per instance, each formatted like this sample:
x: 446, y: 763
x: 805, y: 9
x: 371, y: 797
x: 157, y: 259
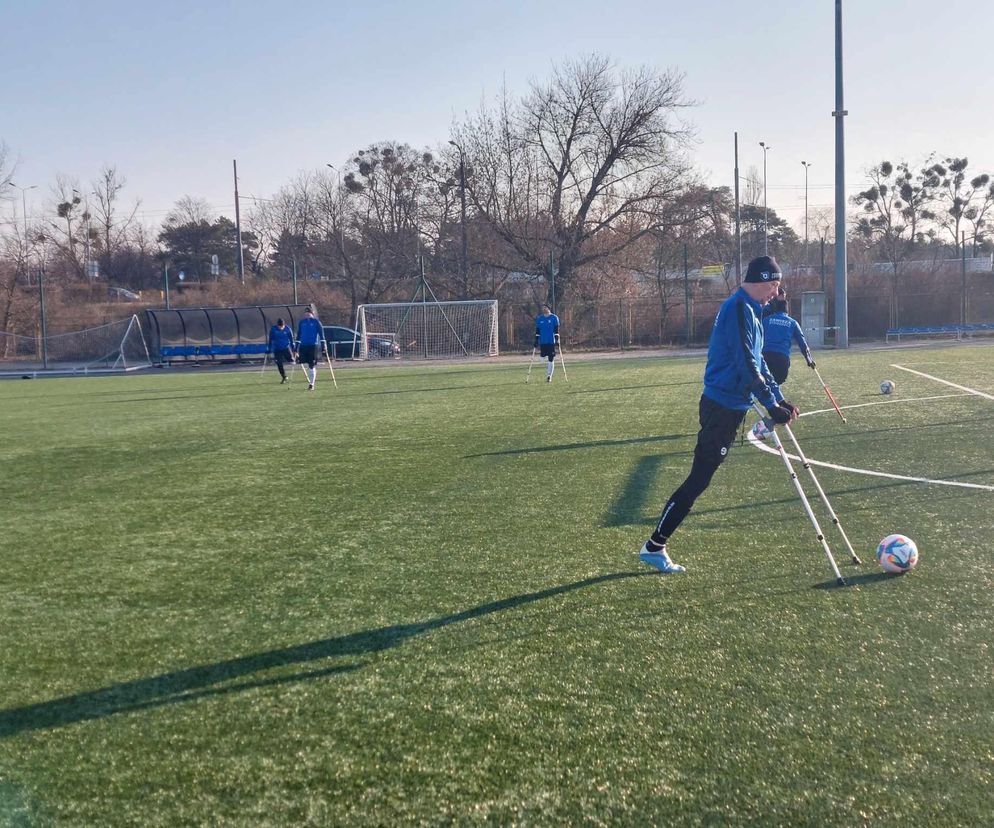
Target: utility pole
x: 766, y: 220
x: 806, y: 165
x: 238, y: 228
x: 341, y: 217
x: 462, y: 198
x: 44, y: 326
x: 686, y: 293
x: 738, y: 220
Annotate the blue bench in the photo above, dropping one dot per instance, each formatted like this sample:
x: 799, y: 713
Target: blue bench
x: 211, y: 351
x: 959, y: 331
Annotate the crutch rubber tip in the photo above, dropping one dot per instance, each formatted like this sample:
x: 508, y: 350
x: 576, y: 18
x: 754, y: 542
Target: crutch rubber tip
x: 856, y: 561
x: 841, y: 582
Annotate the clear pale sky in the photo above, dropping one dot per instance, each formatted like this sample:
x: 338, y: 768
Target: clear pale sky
x: 171, y: 92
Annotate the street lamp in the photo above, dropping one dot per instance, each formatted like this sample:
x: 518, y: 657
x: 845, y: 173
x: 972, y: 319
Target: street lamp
x: 462, y: 198
x: 341, y: 217
x: 766, y: 222
x: 806, y: 165
x: 24, y: 204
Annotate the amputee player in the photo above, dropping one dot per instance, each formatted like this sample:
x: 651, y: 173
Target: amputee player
x: 735, y: 373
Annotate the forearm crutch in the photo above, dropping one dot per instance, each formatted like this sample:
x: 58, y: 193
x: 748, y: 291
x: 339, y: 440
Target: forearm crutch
x: 562, y: 361
x: 531, y: 362
x: 834, y: 403
x: 265, y: 359
x: 824, y: 499
x: 804, y: 501
x: 327, y: 357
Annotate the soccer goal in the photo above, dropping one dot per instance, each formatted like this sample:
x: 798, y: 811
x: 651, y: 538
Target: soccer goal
x: 116, y: 346
x: 428, y: 330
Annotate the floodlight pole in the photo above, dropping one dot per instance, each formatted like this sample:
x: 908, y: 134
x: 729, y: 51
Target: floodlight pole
x: 294, y: 262
x: 841, y: 287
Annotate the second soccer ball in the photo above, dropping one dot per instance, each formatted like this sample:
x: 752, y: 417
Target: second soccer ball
x: 887, y: 387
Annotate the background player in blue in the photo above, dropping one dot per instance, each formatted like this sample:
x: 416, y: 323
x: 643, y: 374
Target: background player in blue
x: 546, y: 338
x: 309, y: 336
x: 735, y: 373
x: 281, y: 346
x: 779, y: 333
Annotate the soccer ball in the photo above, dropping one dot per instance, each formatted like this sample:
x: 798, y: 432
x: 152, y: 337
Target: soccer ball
x: 897, y: 554
x: 887, y: 387
x: 761, y: 430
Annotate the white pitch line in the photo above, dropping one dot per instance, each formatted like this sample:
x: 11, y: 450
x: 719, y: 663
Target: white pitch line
x: 770, y: 450
x: 944, y: 382
x: 883, y: 402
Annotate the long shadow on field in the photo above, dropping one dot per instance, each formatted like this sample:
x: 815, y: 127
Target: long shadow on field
x: 202, y: 681
x: 637, y: 387
x: 428, y: 390
x: 632, y: 441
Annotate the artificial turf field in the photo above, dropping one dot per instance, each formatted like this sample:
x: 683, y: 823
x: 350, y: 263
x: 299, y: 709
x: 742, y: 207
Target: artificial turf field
x: 416, y: 599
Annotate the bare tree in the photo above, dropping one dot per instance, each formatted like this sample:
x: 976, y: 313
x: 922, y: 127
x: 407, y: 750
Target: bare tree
x: 895, y: 210
x: 114, y: 227
x: 753, y: 191
x: 583, y: 167
x: 957, y: 194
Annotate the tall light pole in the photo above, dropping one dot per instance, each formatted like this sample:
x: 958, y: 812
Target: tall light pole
x: 24, y: 204
x: 766, y: 222
x: 806, y: 165
x: 462, y: 198
x: 841, y: 285
x: 341, y: 217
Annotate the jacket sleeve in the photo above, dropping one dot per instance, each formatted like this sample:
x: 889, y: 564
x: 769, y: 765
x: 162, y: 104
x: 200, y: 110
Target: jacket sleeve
x: 801, y: 341
x: 759, y: 373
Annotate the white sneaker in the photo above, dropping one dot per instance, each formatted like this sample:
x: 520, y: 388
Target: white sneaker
x: 310, y: 386
x: 660, y: 560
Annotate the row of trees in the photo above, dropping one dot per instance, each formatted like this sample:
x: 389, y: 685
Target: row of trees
x: 585, y: 183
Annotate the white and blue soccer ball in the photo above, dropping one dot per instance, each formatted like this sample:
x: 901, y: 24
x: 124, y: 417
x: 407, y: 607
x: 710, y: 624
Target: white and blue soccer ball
x: 897, y: 554
x: 887, y: 387
x: 761, y: 430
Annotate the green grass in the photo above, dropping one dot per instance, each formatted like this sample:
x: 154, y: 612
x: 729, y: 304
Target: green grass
x: 416, y: 600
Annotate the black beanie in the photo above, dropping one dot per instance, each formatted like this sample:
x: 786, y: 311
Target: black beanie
x: 763, y: 269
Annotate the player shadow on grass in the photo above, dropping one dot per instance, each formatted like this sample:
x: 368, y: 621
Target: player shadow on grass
x: 636, y: 387
x: 209, y: 679
x: 632, y: 441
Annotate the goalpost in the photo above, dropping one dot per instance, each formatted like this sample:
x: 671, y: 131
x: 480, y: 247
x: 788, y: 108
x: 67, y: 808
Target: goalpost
x: 428, y: 330
x: 116, y: 346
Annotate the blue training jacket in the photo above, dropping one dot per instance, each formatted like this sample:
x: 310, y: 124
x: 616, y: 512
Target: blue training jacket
x: 736, y: 370
x: 779, y: 330
x: 280, y: 338
x: 546, y: 327
x: 309, y: 331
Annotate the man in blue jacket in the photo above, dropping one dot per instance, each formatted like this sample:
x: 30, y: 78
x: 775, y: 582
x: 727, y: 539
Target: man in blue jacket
x: 546, y: 338
x: 309, y: 338
x: 281, y: 346
x: 779, y: 333
x: 735, y: 374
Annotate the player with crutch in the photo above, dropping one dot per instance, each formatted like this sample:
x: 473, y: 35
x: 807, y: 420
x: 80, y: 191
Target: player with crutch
x: 309, y: 338
x: 735, y: 373
x: 546, y: 339
x: 280, y: 346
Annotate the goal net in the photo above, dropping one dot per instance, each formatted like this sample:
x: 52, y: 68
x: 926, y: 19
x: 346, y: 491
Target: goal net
x: 116, y: 346
x: 427, y: 330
